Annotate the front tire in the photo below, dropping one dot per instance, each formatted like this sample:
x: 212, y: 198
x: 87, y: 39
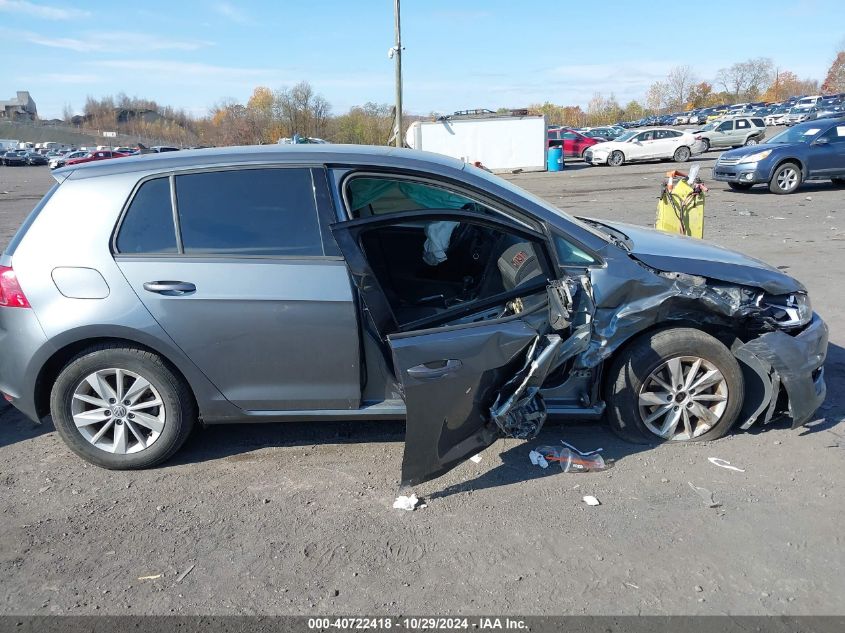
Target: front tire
x: 122, y: 408
x: 786, y: 179
x: 751, y: 141
x: 677, y: 384
x: 616, y: 158
x: 706, y: 143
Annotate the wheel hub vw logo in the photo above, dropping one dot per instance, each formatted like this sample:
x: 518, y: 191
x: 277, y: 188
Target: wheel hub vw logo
x: 118, y: 411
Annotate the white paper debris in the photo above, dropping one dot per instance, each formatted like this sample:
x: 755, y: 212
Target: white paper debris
x: 475, y: 459
x: 723, y: 463
x: 407, y: 503
x: 590, y: 500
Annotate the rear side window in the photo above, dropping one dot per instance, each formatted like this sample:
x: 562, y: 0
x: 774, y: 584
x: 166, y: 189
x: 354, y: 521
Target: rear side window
x: 148, y: 224
x: 249, y: 212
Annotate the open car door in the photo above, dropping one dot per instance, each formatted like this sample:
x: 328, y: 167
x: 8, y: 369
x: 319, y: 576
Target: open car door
x: 470, y: 331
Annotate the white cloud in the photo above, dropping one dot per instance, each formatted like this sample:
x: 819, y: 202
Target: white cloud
x: 231, y: 12
x: 41, y: 10
x: 99, y: 42
x: 69, y: 78
x: 182, y: 71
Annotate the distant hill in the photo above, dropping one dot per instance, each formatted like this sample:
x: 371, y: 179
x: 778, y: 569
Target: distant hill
x: 42, y: 131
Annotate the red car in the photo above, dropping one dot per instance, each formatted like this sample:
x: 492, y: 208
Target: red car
x: 574, y: 143
x: 98, y: 155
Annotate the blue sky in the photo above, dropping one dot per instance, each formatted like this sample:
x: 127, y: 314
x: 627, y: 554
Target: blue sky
x: 458, y: 55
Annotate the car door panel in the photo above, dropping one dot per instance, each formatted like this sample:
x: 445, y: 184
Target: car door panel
x: 447, y: 414
x: 270, y: 335
x: 451, y: 373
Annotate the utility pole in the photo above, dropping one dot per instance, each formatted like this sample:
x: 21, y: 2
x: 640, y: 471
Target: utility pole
x: 398, y: 58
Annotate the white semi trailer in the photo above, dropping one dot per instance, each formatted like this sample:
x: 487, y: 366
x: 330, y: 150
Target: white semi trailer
x: 498, y: 142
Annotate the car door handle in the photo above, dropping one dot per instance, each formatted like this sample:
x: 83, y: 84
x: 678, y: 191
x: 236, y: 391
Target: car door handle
x: 435, y: 369
x: 170, y: 288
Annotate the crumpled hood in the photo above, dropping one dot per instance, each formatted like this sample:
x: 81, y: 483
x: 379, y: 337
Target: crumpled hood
x: 678, y: 253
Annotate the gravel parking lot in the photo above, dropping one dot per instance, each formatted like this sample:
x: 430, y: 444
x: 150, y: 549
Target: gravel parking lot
x: 297, y: 518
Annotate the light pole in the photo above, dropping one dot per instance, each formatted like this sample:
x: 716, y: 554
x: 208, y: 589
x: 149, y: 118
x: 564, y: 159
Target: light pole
x: 398, y: 59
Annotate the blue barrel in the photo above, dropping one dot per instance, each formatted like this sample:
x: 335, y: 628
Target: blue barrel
x: 554, y: 162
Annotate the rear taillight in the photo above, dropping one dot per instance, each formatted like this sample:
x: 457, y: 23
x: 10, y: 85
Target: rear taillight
x: 11, y: 295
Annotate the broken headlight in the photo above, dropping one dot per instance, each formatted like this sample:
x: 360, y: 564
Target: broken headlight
x: 791, y: 310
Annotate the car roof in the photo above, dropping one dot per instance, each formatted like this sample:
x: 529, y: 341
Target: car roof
x: 370, y: 155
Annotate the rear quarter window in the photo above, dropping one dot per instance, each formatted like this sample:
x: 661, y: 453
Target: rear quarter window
x: 147, y: 227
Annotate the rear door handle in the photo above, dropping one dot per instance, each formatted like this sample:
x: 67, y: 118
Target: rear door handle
x: 170, y: 288
x: 435, y: 369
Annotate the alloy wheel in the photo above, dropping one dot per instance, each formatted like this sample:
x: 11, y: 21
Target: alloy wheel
x: 683, y: 398
x: 118, y: 411
x: 787, y: 179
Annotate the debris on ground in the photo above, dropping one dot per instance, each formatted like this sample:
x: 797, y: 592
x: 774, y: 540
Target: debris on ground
x: 706, y: 495
x: 590, y: 500
x: 156, y: 576
x: 571, y: 459
x: 407, y: 503
x: 723, y: 463
x: 182, y: 576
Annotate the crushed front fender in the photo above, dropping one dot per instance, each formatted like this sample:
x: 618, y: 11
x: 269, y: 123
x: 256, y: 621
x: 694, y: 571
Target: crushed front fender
x: 794, y: 363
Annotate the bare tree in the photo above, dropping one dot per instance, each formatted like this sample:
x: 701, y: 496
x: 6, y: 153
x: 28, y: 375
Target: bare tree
x: 746, y: 80
x: 679, y: 85
x: 656, y: 98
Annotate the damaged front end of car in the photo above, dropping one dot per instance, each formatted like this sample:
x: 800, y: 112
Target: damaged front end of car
x: 779, y: 342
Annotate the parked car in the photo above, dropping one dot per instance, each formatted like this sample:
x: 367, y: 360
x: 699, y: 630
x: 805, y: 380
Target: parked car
x: 164, y: 148
x: 95, y: 156
x: 799, y: 114
x: 291, y: 283
x: 574, y: 143
x: 13, y: 159
x: 657, y: 144
x: 34, y: 158
x: 732, y: 132
x: 602, y: 133
x: 777, y: 116
x: 59, y: 161
x: 814, y: 150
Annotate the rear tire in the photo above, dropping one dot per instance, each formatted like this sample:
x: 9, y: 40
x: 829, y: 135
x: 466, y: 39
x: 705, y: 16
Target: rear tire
x: 786, y: 179
x: 126, y: 437
x: 682, y: 154
x: 838, y: 182
x: 637, y: 408
x: 740, y: 186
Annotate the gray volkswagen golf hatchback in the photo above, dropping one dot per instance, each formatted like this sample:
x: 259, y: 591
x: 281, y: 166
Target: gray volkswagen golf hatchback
x: 145, y: 295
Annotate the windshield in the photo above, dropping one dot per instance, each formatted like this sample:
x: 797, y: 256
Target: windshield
x: 796, y: 135
x: 627, y: 136
x: 710, y: 126
x: 512, y: 188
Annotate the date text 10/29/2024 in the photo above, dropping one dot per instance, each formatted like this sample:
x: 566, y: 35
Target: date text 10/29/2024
x: 415, y: 623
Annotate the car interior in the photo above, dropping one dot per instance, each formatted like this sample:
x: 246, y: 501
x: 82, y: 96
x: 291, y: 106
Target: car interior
x: 428, y: 266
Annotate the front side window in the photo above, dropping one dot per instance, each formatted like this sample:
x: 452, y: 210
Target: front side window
x: 727, y: 126
x: 835, y: 134
x: 378, y: 195
x: 570, y: 136
x: 147, y: 227
x: 249, y: 212
x: 646, y: 136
